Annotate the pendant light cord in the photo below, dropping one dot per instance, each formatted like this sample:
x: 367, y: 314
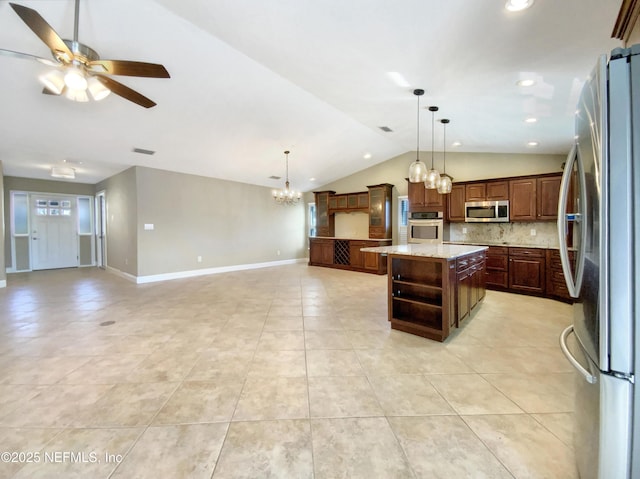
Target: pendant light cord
x: 444, y: 148
x: 433, y: 135
x: 418, y: 131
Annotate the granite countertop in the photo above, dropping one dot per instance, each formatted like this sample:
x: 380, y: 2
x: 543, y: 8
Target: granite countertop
x: 349, y: 239
x: 442, y: 251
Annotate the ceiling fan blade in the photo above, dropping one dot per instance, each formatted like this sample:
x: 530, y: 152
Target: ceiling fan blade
x: 43, y: 30
x: 27, y: 56
x: 129, y: 68
x: 125, y: 92
x: 46, y: 91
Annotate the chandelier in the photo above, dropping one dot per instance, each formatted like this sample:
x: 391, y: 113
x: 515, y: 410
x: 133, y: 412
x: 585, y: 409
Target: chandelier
x: 287, y: 196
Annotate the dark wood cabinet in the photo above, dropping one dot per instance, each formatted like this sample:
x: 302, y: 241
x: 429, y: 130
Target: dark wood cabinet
x: 556, y: 285
x: 527, y: 270
x: 547, y: 194
x: 455, y: 207
x: 522, y: 199
x: 380, y: 217
x: 320, y: 251
x: 345, y: 254
x: 325, y: 221
x: 476, y: 192
x: 422, y: 199
x: 497, y: 274
x: 497, y: 190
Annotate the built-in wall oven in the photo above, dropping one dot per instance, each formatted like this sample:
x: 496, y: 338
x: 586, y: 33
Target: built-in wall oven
x: 426, y: 227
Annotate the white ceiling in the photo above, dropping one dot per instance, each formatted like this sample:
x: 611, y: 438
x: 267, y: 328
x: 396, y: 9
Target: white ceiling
x: 251, y: 78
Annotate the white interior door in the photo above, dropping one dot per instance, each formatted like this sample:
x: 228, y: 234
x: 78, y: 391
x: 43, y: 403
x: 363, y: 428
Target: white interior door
x: 54, y: 233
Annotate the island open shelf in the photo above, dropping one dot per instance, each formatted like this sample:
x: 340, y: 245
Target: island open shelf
x: 433, y: 288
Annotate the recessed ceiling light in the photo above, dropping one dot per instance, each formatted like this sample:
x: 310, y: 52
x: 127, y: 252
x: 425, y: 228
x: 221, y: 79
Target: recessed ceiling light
x: 518, y: 5
x: 532, y: 144
x: 312, y: 179
x: 398, y: 79
x: 526, y: 82
x: 531, y: 120
x: 367, y: 156
x: 456, y: 143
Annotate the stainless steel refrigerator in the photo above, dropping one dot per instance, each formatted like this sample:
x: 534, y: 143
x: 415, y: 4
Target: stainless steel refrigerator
x: 599, y: 192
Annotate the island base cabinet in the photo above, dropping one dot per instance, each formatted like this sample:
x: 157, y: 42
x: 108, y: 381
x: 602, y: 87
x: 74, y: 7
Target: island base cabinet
x: 420, y: 292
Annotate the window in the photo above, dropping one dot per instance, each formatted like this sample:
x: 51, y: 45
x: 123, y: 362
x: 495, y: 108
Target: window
x: 84, y: 216
x: 312, y: 219
x: 20, y: 217
x: 403, y: 219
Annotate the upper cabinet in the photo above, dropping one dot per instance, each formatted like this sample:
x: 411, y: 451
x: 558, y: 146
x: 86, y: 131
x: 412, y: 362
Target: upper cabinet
x: 522, y: 199
x: 455, y: 205
x: 548, y: 194
x: 380, y: 211
x: 325, y: 222
x: 487, y: 191
x: 534, y: 198
x: 422, y: 199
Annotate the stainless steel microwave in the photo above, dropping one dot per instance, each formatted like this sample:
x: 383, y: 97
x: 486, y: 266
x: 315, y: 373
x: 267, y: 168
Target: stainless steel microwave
x: 486, y: 211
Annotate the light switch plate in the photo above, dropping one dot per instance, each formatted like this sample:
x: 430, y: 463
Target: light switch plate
x: 148, y: 226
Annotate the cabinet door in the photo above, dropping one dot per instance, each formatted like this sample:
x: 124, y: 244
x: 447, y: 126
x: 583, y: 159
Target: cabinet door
x: 476, y: 192
x: 416, y: 194
x: 522, y: 196
x: 342, y: 201
x: 380, y: 215
x: 464, y: 294
x: 321, y: 251
x: 371, y: 261
x: 548, y: 192
x: 363, y: 200
x: 356, y: 257
x: 527, y: 274
x: 497, y: 190
x: 433, y: 199
x: 324, y: 219
x: 455, y: 210
x: 352, y: 201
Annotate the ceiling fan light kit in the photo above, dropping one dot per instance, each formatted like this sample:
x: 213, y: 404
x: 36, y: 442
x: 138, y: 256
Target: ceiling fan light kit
x: 79, y: 68
x: 63, y: 172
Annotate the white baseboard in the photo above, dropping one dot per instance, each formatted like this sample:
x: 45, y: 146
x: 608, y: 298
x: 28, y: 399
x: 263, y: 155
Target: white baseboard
x: 202, y: 272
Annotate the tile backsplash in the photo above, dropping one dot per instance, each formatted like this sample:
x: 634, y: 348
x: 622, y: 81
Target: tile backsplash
x: 546, y: 233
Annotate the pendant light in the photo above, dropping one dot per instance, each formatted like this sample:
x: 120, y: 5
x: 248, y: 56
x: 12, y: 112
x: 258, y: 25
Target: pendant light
x: 444, y: 185
x: 418, y: 170
x: 433, y: 176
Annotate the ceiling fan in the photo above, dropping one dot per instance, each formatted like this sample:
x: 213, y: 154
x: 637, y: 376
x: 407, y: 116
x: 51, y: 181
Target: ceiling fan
x: 79, y: 68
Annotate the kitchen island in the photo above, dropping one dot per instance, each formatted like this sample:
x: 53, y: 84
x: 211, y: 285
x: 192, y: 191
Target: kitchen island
x: 433, y: 288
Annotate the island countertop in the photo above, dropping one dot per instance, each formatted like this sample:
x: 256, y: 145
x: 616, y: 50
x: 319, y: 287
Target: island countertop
x: 442, y: 251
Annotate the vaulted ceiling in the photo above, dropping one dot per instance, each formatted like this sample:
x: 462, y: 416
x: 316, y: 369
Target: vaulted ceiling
x: 252, y: 78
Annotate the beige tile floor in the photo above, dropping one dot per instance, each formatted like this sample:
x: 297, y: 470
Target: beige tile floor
x: 281, y: 372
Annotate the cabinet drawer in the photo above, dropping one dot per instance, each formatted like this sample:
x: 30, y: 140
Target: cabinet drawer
x: 497, y: 250
x: 527, y: 252
x: 497, y: 263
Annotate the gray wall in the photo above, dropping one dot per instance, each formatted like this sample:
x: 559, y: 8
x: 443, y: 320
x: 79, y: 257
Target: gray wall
x: 226, y: 223
x: 3, y: 215
x: 14, y: 183
x: 122, y: 206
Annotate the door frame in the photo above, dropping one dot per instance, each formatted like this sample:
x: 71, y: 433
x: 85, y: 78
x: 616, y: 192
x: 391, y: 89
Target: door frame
x: 101, y: 228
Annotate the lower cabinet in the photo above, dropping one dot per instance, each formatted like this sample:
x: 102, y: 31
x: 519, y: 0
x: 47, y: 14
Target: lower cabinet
x: 346, y: 254
x: 527, y: 270
x: 430, y: 296
x: 471, y: 287
x: 320, y: 251
x: 556, y: 285
x: 497, y: 275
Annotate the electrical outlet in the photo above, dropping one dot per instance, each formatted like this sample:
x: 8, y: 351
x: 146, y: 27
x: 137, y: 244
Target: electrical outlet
x: 278, y: 252
x: 464, y: 231
x: 199, y: 259
x: 533, y: 232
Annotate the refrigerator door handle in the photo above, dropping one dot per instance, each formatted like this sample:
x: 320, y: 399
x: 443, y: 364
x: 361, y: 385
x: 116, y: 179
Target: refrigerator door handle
x: 573, y: 283
x: 590, y: 378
